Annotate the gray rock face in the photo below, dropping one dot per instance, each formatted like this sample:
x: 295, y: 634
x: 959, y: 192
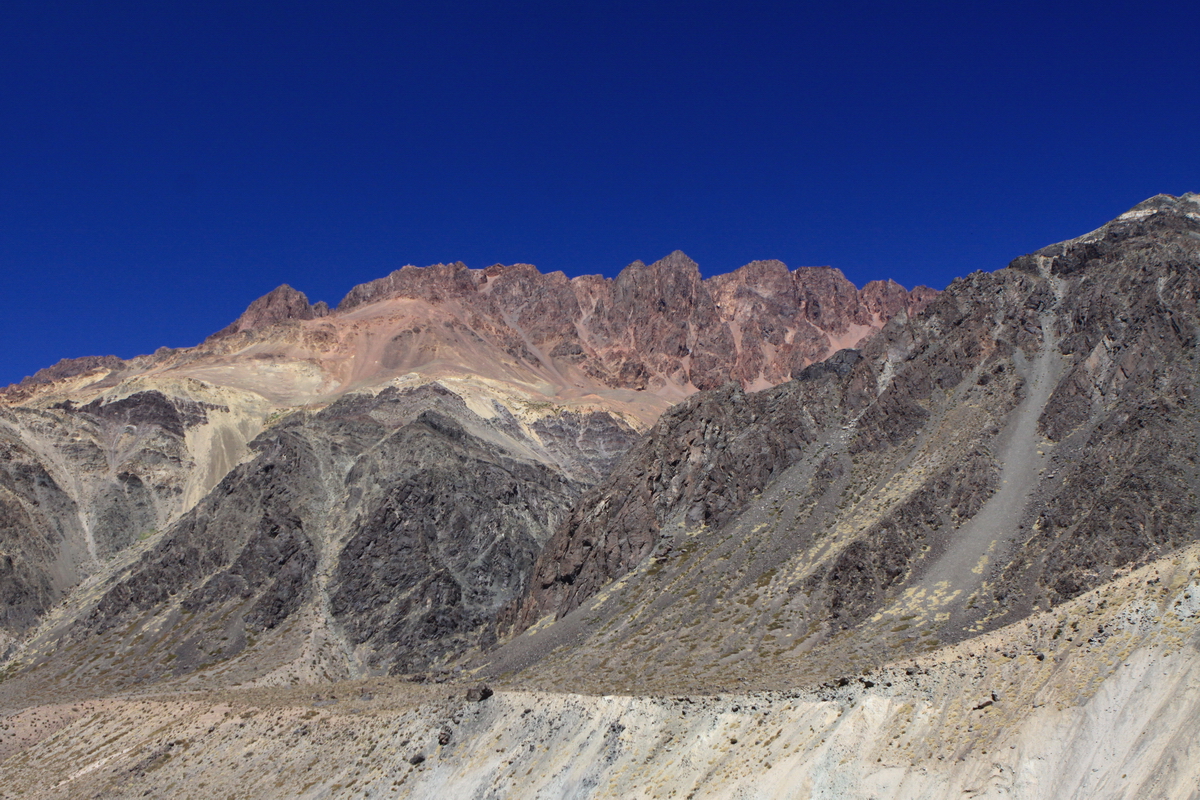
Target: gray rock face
x: 586, y: 445
x: 79, y: 484
x: 407, y: 516
x: 246, y: 545
x: 41, y: 543
x: 1022, y: 440
x: 1122, y: 408
x: 453, y: 537
x: 701, y: 464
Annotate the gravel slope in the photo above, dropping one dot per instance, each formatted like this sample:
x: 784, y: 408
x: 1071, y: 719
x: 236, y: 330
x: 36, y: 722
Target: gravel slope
x: 1099, y: 698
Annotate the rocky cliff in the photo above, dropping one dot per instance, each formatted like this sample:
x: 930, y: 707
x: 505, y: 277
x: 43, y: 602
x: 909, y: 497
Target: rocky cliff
x: 117, y: 452
x: 764, y: 533
x: 1028, y: 437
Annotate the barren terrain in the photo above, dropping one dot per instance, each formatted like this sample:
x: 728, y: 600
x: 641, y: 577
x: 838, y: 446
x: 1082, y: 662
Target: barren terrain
x: 491, y: 533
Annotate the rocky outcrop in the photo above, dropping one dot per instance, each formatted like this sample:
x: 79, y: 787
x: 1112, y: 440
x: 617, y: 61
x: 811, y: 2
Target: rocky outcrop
x: 279, y: 305
x: 654, y: 327
x: 1127, y: 332
x: 453, y: 538
x: 407, y: 516
x: 1016, y: 443
x: 246, y: 544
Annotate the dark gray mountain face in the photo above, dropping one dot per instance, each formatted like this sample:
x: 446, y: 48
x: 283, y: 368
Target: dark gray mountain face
x: 1024, y: 439
x: 35, y: 520
x: 703, y: 462
x: 405, y: 516
x: 79, y: 484
x: 444, y: 543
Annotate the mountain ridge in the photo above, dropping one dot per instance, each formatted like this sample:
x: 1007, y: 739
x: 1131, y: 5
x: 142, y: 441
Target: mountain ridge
x: 976, y: 484
x: 546, y: 321
x: 130, y: 448
x: 949, y: 559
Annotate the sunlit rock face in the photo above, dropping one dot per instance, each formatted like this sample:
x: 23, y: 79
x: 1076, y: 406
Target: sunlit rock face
x: 760, y: 535
x: 119, y: 451
x: 1028, y: 437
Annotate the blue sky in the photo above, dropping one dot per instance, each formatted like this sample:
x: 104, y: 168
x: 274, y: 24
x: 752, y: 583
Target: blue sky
x: 163, y: 164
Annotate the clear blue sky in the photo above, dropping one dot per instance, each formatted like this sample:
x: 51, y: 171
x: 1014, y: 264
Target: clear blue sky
x: 164, y: 163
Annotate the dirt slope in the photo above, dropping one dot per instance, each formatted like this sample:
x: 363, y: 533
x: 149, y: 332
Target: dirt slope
x: 1097, y: 699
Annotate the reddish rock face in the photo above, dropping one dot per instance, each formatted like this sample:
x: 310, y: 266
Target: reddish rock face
x: 886, y: 299
x: 279, y: 305
x: 634, y: 344
x: 654, y: 327
x: 657, y: 328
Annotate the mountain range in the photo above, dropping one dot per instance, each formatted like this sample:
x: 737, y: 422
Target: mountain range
x: 761, y: 534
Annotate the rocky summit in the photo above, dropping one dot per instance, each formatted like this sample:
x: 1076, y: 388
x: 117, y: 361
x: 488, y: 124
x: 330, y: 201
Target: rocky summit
x: 498, y: 533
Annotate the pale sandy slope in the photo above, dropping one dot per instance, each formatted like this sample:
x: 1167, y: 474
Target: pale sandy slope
x: 1099, y: 698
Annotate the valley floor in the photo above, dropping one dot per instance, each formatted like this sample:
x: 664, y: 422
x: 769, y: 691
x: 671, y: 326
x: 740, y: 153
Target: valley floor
x: 1099, y: 698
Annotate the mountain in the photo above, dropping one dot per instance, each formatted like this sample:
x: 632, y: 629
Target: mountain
x: 762, y: 534
x: 526, y: 381
x: 660, y: 330
x: 1026, y: 438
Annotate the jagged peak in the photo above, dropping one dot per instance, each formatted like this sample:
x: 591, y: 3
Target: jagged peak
x: 1162, y: 215
x: 496, y: 270
x: 69, y: 367
x: 280, y: 304
x: 676, y: 259
x: 805, y: 274
x: 1187, y: 204
x: 883, y: 283
x: 281, y: 293
x: 767, y: 266
x: 432, y: 282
